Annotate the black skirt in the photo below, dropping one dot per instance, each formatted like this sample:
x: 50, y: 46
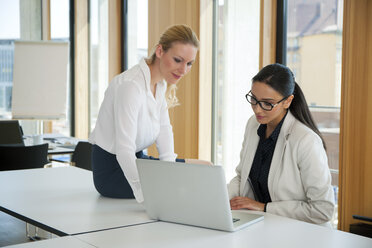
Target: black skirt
x: 108, y: 176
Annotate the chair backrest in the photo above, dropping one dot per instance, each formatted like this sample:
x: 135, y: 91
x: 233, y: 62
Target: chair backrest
x: 11, y: 133
x: 23, y: 157
x: 82, y: 155
x: 361, y: 228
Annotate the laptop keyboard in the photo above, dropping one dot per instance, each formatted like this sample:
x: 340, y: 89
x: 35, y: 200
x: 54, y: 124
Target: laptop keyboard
x: 235, y: 220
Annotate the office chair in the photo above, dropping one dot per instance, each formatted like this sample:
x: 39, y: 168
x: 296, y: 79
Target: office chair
x: 11, y: 133
x: 361, y: 228
x: 23, y: 157
x: 82, y: 155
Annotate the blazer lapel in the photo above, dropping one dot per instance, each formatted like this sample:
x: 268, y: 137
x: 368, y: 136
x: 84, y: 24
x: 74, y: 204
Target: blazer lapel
x: 280, y: 147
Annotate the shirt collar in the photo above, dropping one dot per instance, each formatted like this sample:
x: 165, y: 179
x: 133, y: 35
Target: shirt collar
x: 162, y: 86
x: 275, y: 134
x: 146, y: 73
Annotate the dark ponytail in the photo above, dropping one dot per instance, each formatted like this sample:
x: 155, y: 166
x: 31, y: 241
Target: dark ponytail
x: 301, y: 111
x: 281, y: 79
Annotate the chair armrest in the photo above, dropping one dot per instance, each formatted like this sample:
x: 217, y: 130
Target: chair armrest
x: 359, y: 217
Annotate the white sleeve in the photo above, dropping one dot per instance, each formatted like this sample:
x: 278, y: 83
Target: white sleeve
x: 165, y: 140
x: 128, y: 101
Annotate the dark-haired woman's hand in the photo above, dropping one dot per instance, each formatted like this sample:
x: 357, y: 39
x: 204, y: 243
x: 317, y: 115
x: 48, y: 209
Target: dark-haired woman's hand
x: 240, y: 202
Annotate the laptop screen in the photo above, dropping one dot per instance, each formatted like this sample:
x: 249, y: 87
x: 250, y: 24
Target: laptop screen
x: 11, y: 133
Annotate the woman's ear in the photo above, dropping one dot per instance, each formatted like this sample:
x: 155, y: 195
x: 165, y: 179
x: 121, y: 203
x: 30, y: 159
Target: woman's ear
x: 288, y: 101
x: 159, y: 51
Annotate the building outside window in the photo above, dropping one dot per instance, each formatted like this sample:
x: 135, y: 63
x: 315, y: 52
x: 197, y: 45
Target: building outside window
x: 10, y: 14
x: 6, y: 76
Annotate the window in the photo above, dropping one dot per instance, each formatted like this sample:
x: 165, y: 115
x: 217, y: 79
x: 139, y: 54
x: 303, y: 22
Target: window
x: 98, y: 56
x: 24, y: 21
x: 9, y: 14
x: 316, y: 26
x: 135, y: 47
x: 137, y: 31
x: 236, y: 62
x: 60, y: 31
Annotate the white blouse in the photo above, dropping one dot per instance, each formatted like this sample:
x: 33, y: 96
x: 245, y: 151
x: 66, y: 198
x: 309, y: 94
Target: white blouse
x: 131, y: 119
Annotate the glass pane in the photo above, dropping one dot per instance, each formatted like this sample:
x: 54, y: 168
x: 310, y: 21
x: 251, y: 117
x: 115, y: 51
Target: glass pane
x: 23, y: 21
x: 237, y: 32
x: 137, y: 31
x: 59, y: 19
x: 98, y: 56
x: 314, y: 45
x: 60, y: 30
x: 9, y: 14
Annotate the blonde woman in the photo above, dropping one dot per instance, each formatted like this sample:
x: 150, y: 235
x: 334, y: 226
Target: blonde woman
x: 134, y: 114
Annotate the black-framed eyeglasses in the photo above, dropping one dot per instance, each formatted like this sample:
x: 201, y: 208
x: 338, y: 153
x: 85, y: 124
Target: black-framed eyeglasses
x: 268, y: 106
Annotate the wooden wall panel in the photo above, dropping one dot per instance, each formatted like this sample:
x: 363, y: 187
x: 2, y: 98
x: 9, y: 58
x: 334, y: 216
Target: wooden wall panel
x: 114, y: 32
x: 355, y: 194
x: 184, y: 118
x: 45, y: 20
x: 46, y: 35
x: 81, y: 69
x: 267, y: 32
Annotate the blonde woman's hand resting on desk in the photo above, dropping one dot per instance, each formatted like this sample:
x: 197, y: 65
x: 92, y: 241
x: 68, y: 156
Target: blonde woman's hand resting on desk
x: 240, y: 202
x: 197, y: 161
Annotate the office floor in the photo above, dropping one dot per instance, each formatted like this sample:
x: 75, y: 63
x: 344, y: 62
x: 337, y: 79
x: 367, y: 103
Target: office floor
x: 12, y: 230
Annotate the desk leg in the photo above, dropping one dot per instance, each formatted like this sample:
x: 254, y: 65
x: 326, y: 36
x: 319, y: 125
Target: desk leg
x: 38, y: 233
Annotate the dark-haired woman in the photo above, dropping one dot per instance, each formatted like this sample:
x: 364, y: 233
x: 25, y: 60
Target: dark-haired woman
x: 283, y: 165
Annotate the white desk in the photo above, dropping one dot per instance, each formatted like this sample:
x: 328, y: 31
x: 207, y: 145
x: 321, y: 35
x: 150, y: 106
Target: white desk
x: 64, y: 201
x: 273, y: 231
x: 57, y: 150
x: 58, y: 143
x: 63, y: 242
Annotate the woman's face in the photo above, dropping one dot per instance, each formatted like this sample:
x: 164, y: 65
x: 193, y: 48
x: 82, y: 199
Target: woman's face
x: 263, y: 92
x: 176, y: 61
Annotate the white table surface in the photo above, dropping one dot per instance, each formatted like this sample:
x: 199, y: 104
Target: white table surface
x: 273, y: 231
x: 64, y: 201
x: 63, y: 242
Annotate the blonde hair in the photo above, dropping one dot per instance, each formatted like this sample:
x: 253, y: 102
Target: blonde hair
x: 177, y: 33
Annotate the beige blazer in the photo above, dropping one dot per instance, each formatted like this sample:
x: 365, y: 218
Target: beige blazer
x: 299, y: 178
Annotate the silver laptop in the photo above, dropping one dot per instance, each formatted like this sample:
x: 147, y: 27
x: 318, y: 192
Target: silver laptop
x: 189, y: 194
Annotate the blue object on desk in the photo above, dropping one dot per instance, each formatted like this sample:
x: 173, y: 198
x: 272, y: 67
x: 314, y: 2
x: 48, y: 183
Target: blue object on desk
x: 61, y: 158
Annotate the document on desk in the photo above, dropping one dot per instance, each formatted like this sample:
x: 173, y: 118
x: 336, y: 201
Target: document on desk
x: 61, y: 139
